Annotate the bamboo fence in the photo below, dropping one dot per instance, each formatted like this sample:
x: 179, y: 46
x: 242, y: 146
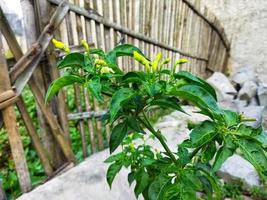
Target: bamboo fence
x: 177, y: 28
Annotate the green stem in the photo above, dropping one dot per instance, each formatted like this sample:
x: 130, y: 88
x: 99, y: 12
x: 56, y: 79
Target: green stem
x: 158, y: 135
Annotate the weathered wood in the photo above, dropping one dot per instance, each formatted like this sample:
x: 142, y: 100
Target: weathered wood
x: 31, y: 28
x: 87, y: 115
x: 35, y: 53
x: 44, y: 39
x: 8, y: 102
x: 42, y: 10
x: 9, y: 118
x: 100, y: 19
x: 6, y: 95
x: 34, y: 137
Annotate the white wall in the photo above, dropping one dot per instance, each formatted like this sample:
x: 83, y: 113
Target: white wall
x: 245, y: 23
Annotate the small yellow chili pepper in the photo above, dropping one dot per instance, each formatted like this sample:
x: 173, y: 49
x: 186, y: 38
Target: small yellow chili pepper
x: 60, y: 45
x: 106, y: 70
x: 85, y: 45
x: 138, y: 57
x: 100, y: 62
x: 181, y: 61
x: 155, y: 63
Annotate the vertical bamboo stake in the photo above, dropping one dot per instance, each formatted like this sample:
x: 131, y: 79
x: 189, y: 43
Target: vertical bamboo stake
x: 9, y: 118
x: 42, y: 9
x: 87, y: 96
x: 46, y: 135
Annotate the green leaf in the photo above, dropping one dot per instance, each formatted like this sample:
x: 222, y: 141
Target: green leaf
x: 194, y: 79
x: 167, y: 102
x: 134, y: 77
x: 115, y: 157
x: 97, y: 51
x: 134, y: 125
x: 153, y: 88
x: 203, y: 133
x: 112, y: 172
x: 199, y: 97
x: 121, y: 96
x: 184, y: 156
x: 262, y: 139
x: 131, y: 177
x: 118, y: 133
x: 157, y: 187
x: 72, y: 60
x: 208, y: 152
x: 142, y: 180
x: 231, y: 118
x: 221, y: 156
x: 94, y: 87
x: 61, y: 82
x: 254, y: 153
x: 227, y: 150
x: 245, y: 130
x: 122, y: 50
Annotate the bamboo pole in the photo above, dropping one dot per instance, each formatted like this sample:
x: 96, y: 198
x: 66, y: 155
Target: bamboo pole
x: 42, y: 10
x: 9, y: 118
x: 44, y: 38
x: 31, y: 30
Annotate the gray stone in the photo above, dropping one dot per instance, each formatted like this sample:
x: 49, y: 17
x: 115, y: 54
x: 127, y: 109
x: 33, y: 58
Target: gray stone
x: 222, y: 85
x: 248, y: 91
x: 252, y: 112
x: 262, y: 94
x: 232, y: 104
x: 264, y: 118
x: 243, y: 75
x: 235, y: 168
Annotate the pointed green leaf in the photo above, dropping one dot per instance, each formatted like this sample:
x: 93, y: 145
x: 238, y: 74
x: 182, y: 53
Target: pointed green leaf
x: 61, y: 82
x: 142, y: 180
x: 121, y: 96
x: 199, y: 97
x: 94, y: 87
x: 112, y: 172
x: 168, y: 102
x: 254, y: 153
x: 203, y: 133
x: 118, y: 133
x: 208, y: 152
x: 194, y: 79
x: 157, y: 187
x: 122, y: 50
x: 221, y: 156
x: 231, y: 118
x: 72, y: 60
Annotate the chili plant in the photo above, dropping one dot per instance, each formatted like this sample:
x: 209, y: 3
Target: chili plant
x: 187, y: 173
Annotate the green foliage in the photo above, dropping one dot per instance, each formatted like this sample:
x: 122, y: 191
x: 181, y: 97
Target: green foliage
x: 165, y: 175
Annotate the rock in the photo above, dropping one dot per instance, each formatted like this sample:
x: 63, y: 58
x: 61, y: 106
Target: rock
x: 222, y: 85
x: 232, y: 104
x: 236, y: 167
x: 254, y: 102
x: 252, y: 112
x: 243, y: 75
x: 264, y: 118
x: 248, y: 91
x: 262, y: 94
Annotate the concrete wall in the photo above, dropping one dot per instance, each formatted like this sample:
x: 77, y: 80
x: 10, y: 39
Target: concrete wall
x: 245, y: 23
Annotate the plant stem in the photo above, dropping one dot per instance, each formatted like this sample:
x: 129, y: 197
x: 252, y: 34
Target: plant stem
x: 158, y: 135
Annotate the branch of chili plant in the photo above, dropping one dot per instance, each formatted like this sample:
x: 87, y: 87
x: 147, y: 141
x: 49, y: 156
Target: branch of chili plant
x: 158, y: 135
